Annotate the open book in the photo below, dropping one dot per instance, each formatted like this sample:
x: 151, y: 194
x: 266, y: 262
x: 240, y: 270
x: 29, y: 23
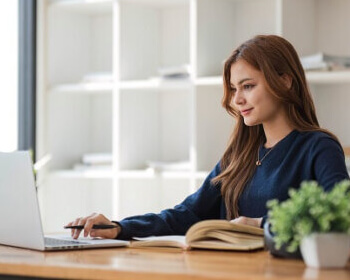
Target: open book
x: 209, y: 234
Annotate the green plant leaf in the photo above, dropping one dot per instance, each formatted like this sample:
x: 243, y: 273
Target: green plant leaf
x: 309, y: 209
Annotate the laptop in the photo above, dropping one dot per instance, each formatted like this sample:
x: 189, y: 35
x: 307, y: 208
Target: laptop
x: 20, y: 214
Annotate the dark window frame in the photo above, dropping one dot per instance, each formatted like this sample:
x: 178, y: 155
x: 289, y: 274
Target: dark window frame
x: 27, y: 75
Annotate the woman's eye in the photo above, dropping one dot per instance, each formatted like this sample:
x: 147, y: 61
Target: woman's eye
x: 248, y: 86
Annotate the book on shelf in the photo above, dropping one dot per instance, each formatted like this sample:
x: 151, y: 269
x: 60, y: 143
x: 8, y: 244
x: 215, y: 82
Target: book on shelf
x: 175, y: 72
x: 322, y: 61
x: 159, y: 166
x: 209, y: 234
x: 89, y: 167
x: 97, y: 159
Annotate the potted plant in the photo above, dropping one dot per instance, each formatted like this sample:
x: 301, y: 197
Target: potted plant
x: 316, y: 221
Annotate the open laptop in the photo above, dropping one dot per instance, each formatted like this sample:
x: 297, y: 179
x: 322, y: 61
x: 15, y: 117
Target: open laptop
x: 19, y: 210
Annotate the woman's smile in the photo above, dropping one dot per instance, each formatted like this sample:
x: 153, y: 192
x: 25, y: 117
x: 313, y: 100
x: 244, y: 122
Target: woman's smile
x: 246, y: 112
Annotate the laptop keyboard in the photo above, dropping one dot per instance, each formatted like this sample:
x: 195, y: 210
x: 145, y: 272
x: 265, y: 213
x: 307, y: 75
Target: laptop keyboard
x: 61, y: 242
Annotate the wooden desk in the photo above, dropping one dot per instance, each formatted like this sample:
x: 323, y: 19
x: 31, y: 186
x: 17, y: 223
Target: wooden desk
x: 123, y: 263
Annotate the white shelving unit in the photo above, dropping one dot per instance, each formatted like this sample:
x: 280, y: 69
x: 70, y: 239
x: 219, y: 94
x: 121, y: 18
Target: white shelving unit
x: 83, y: 88
x: 139, y: 117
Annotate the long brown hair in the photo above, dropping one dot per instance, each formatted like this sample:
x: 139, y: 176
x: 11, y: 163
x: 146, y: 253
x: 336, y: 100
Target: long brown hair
x: 273, y: 56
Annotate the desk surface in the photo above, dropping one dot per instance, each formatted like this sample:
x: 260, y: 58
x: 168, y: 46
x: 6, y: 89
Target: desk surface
x: 125, y: 263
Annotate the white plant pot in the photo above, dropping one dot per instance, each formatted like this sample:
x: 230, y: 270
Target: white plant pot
x: 325, y: 250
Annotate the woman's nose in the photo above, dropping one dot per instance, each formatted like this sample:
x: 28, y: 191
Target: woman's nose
x: 238, y: 99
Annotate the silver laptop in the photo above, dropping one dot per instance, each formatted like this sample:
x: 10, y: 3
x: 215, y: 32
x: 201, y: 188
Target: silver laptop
x: 19, y: 210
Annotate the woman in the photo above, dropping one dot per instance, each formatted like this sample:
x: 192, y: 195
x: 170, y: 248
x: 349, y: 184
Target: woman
x: 276, y: 144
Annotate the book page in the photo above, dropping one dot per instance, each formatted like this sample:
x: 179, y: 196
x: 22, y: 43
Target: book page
x: 232, y: 237
x: 224, y: 235
x: 221, y: 245
x: 177, y: 241
x: 200, y: 228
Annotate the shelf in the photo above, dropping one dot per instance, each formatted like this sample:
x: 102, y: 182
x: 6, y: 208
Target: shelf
x: 157, y: 3
x: 126, y: 174
x: 88, y: 7
x: 201, y: 175
x: 209, y: 81
x: 156, y: 84
x: 87, y: 174
x: 328, y: 77
x: 151, y: 174
x: 314, y: 77
x: 83, y: 88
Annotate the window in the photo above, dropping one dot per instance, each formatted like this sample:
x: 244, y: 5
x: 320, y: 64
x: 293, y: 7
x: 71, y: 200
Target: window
x: 9, y: 75
x: 27, y: 75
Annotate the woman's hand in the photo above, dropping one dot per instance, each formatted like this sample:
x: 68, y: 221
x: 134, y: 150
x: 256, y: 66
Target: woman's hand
x: 89, y: 221
x: 255, y: 222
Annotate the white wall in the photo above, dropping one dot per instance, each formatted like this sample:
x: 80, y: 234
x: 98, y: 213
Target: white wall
x: 8, y: 75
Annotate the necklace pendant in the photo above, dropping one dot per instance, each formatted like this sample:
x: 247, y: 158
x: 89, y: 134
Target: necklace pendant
x: 258, y: 163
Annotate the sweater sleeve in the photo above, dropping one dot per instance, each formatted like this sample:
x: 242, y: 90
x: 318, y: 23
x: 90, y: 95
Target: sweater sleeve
x: 203, y: 204
x: 329, y: 163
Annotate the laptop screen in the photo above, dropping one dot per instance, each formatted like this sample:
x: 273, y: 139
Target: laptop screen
x: 19, y: 210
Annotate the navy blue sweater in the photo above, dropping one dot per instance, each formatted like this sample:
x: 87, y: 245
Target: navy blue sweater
x: 297, y: 157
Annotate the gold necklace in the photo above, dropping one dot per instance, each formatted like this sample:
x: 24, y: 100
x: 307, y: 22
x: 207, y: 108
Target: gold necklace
x: 259, y: 161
